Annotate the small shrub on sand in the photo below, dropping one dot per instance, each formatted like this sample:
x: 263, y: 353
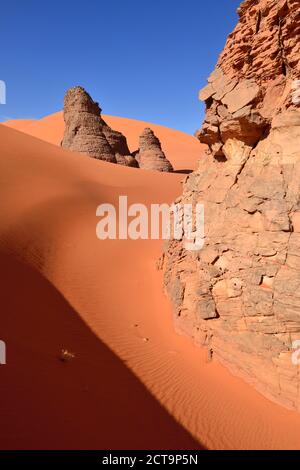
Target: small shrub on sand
x: 66, y: 356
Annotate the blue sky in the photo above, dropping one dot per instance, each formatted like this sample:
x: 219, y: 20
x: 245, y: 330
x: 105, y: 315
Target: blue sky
x: 142, y: 60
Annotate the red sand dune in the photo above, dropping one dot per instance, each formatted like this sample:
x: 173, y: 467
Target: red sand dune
x: 134, y: 383
x: 18, y: 124
x: 179, y: 147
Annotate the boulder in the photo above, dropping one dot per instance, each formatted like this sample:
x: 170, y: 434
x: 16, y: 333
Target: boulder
x: 87, y: 133
x: 150, y: 155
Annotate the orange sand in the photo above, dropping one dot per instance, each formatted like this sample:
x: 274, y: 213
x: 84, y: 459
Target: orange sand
x: 19, y: 124
x: 134, y: 383
x: 181, y: 148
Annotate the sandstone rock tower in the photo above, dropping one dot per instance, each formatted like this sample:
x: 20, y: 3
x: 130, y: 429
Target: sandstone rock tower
x: 150, y: 155
x: 86, y: 132
x: 240, y: 295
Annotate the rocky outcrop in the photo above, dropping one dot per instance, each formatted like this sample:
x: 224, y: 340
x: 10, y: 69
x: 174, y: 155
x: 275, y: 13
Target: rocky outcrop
x: 254, y: 75
x: 150, y: 155
x: 240, y: 294
x: 86, y: 132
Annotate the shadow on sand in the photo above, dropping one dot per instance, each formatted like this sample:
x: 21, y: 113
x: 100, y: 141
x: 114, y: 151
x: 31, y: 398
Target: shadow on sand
x: 90, y: 402
x: 183, y: 172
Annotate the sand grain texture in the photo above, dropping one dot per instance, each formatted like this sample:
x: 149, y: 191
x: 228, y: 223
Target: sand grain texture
x: 133, y: 383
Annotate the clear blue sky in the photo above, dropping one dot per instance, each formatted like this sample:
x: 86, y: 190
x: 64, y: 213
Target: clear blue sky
x: 140, y: 59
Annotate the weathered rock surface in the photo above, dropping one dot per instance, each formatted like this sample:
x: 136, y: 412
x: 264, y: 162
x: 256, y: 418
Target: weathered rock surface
x: 86, y: 132
x: 150, y: 155
x: 254, y: 75
x: 240, y: 294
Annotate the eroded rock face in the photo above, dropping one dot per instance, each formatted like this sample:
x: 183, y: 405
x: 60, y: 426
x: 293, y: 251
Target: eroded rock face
x: 240, y: 295
x: 86, y: 132
x: 150, y: 155
x: 254, y: 74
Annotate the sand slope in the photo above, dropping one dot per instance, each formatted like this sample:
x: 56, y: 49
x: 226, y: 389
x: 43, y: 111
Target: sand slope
x: 63, y: 288
x: 182, y: 149
x: 91, y: 402
x: 19, y: 124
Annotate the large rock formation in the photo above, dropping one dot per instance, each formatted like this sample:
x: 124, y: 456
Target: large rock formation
x: 86, y: 132
x: 240, y: 295
x: 150, y: 155
x: 254, y: 74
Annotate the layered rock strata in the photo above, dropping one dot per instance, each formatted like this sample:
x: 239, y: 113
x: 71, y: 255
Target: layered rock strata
x: 255, y: 73
x: 240, y: 294
x: 86, y: 132
x: 150, y: 155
